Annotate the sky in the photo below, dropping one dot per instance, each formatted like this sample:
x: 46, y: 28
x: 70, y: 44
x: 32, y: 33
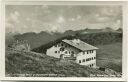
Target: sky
x: 59, y: 18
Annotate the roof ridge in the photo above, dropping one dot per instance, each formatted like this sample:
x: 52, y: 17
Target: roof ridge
x: 82, y: 45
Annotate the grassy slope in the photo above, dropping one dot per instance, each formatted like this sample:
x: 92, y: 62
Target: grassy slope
x: 110, y: 56
x: 31, y: 63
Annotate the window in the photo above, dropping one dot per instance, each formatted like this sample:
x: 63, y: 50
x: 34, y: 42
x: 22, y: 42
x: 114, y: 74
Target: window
x: 83, y: 53
x: 62, y: 49
x: 55, y: 51
x: 87, y: 52
x: 58, y: 45
x: 72, y: 55
x: 66, y: 46
x: 94, y: 57
x: 83, y: 60
x: 90, y: 65
x: 72, y: 52
x: 62, y: 44
x: 66, y: 52
x: 91, y: 51
x: 55, y: 45
x: 79, y: 61
x: 69, y: 52
x: 87, y: 59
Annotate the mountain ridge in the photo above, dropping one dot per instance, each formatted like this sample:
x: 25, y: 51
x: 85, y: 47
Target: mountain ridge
x: 42, y: 38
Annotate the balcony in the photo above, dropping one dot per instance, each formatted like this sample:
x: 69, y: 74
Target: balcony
x: 70, y: 58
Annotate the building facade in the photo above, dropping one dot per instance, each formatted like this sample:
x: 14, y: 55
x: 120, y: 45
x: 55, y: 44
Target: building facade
x: 75, y: 50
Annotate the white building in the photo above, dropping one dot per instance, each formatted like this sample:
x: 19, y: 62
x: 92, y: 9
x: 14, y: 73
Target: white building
x: 76, y: 50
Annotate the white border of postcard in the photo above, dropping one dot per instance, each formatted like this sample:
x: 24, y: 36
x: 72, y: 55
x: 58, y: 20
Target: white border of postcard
x: 39, y: 2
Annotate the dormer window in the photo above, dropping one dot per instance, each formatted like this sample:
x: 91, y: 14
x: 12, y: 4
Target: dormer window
x: 87, y: 52
x: 66, y: 46
x: 83, y: 53
x: 62, y: 44
x: 72, y: 55
x: 79, y: 61
x: 62, y: 49
x: 66, y: 52
x: 55, y: 51
x: 72, y: 52
x: 58, y: 45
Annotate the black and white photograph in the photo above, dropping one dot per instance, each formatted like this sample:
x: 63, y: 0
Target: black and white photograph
x: 68, y: 40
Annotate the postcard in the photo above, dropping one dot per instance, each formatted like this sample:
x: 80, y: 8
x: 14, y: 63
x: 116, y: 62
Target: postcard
x: 63, y: 39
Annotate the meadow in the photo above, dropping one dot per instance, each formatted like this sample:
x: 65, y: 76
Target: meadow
x: 41, y: 65
x: 110, y: 56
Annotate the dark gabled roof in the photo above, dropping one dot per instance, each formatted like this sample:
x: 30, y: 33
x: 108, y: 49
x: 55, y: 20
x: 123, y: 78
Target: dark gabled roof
x: 43, y: 48
x: 80, y: 45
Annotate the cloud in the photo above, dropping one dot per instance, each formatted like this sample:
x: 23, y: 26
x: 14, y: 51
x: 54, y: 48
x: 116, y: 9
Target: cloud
x: 44, y: 6
x: 102, y: 19
x: 72, y: 19
x: 28, y: 19
x: 78, y: 17
x: 97, y: 15
x: 111, y: 11
x: 106, y: 11
x: 60, y: 19
x: 12, y: 20
x: 117, y: 24
x: 14, y: 17
x: 54, y: 28
x: 9, y: 25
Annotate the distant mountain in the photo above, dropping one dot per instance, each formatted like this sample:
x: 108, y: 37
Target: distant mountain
x: 119, y: 30
x: 37, y: 39
x: 9, y: 38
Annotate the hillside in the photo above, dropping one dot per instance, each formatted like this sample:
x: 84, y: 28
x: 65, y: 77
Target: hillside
x: 104, y: 39
x: 31, y: 63
x: 110, y: 56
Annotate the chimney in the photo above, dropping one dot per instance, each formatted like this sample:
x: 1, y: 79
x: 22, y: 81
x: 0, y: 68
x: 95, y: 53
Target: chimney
x: 76, y: 41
